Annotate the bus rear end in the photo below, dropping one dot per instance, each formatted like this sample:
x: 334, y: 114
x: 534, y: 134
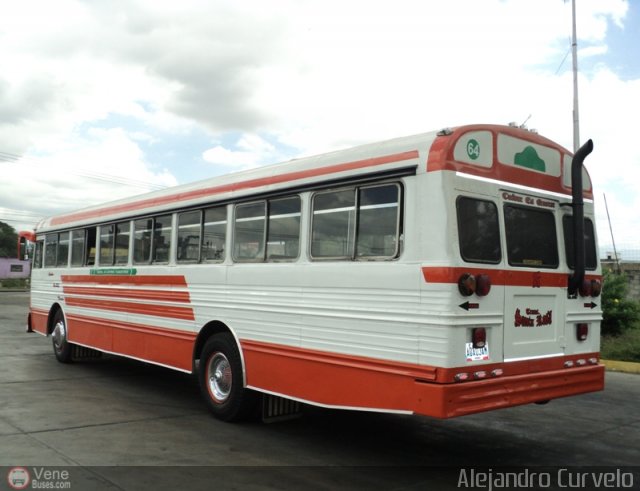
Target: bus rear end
x: 524, y: 322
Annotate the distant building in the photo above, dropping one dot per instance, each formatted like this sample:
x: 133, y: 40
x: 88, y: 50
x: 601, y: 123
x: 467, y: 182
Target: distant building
x: 14, y: 268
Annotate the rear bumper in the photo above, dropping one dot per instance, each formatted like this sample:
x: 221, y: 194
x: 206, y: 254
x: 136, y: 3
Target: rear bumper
x: 451, y: 400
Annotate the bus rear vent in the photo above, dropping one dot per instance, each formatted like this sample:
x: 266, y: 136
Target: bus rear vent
x: 276, y: 408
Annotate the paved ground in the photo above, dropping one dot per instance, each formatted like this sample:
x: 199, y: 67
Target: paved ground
x: 89, y: 417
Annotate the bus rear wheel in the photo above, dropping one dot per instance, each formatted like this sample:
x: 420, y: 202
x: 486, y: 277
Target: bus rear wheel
x: 221, y: 381
x: 62, y: 348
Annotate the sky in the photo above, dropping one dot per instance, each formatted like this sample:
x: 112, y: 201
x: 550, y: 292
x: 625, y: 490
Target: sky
x: 102, y: 99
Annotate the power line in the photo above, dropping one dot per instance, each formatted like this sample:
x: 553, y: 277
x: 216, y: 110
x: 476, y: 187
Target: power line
x: 12, y: 158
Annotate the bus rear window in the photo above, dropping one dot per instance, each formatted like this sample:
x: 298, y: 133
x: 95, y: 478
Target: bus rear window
x: 478, y: 230
x: 591, y: 260
x: 531, y: 237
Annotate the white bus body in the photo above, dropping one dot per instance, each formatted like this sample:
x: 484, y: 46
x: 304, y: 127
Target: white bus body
x: 428, y: 274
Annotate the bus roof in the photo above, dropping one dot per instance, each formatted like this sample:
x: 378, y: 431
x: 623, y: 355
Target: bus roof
x: 492, y: 151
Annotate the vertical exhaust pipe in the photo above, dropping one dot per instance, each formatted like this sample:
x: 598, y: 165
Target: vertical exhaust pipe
x: 576, y: 279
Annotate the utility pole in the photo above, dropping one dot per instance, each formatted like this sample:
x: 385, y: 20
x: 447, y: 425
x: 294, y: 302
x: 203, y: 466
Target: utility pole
x: 574, y: 52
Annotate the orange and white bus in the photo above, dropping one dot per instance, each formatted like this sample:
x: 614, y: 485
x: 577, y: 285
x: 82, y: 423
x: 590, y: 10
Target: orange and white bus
x: 440, y: 274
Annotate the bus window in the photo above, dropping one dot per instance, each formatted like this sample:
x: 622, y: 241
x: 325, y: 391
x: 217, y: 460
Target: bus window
x: 478, y: 230
x: 249, y: 230
x: 214, y: 234
x: 142, y: 240
x: 378, y: 221
x: 62, y: 256
x: 50, y: 250
x: 332, y: 234
x: 123, y: 232
x: 531, y: 237
x: 106, y: 244
x: 161, y: 238
x: 77, y: 247
x: 90, y: 253
x: 37, y: 259
x: 189, y: 228
x: 283, y: 241
x: 591, y: 258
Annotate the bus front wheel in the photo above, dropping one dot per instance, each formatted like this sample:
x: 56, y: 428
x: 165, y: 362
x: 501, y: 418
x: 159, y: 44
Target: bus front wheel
x: 220, y: 379
x: 61, y: 346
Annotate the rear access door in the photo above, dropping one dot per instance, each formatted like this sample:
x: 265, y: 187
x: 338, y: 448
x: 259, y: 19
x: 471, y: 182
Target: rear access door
x: 534, y: 288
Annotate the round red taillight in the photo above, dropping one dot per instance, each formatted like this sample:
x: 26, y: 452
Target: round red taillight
x: 467, y: 284
x: 585, y: 288
x: 582, y: 331
x: 596, y: 288
x: 483, y: 285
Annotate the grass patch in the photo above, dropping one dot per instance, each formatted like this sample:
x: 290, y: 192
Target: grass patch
x: 21, y: 283
x: 625, y: 347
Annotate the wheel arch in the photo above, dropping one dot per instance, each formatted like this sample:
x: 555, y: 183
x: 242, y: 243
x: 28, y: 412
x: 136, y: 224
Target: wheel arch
x: 55, y: 308
x: 210, y: 329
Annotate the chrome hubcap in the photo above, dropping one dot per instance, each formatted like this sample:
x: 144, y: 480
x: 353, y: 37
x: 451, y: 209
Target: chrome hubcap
x: 59, y: 335
x: 219, y: 377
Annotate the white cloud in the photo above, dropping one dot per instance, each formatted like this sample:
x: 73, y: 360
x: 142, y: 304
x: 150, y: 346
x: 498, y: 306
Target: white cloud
x: 292, y: 76
x: 251, y: 151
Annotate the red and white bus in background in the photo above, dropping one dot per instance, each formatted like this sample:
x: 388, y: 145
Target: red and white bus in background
x: 440, y: 274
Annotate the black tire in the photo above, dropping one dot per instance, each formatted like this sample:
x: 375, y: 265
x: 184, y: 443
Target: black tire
x: 221, y: 381
x: 62, y: 348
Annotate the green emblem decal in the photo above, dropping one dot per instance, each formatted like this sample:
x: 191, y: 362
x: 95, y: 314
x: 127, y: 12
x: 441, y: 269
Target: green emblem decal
x: 530, y: 159
x: 114, y: 271
x: 473, y: 149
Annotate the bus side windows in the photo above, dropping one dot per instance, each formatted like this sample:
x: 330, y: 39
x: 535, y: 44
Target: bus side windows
x: 249, y: 229
x: 378, y: 221
x: 283, y: 236
x: 38, y: 256
x: 62, y: 256
x: 90, y: 252
x: 77, y: 247
x: 189, y: 234
x: 142, y: 240
x: 202, y: 235
x: 478, y: 230
x: 214, y: 235
x: 267, y: 230
x: 161, y: 238
x: 107, y: 234
x: 50, y: 250
x: 356, y: 223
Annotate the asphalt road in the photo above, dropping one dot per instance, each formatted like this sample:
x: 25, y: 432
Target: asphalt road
x: 93, y: 418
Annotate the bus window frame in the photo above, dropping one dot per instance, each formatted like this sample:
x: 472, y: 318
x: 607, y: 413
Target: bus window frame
x: 354, y: 227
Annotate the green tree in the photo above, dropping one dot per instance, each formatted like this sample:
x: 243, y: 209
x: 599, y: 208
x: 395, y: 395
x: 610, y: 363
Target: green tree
x: 619, y: 312
x: 8, y: 241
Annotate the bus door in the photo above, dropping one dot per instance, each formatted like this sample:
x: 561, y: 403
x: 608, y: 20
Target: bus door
x: 535, y: 290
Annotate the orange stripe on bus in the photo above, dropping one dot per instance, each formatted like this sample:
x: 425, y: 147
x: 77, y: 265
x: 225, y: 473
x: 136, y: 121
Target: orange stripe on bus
x: 134, y: 280
x: 159, y: 295
x: 500, y: 276
x: 166, y: 311
x: 238, y: 186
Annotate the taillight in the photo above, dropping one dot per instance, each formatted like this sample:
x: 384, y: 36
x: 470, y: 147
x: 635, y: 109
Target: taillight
x: 585, y: 288
x: 483, y: 285
x: 467, y: 284
x: 479, y: 337
x: 596, y: 288
x: 582, y: 331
